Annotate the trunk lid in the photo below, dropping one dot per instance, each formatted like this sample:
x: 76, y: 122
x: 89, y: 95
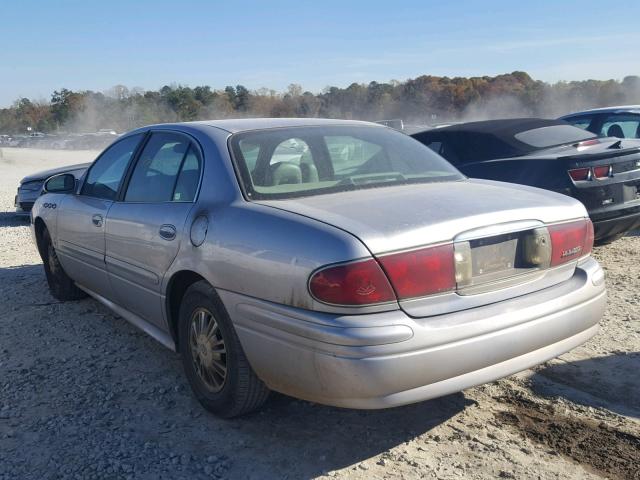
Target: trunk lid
x: 490, y: 219
x: 401, y: 217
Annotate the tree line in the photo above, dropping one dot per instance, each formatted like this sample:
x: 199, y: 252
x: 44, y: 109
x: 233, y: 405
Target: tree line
x: 424, y: 100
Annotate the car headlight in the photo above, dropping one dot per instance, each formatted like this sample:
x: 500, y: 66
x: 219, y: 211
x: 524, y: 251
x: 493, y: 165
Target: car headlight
x: 32, y: 186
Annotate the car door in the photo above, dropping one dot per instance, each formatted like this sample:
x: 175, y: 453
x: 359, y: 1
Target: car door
x: 80, y: 241
x: 144, y: 229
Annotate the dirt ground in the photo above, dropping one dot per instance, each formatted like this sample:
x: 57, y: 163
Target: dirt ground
x: 83, y: 394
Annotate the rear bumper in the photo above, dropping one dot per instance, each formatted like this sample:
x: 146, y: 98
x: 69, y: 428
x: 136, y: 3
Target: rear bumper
x: 24, y: 203
x: 607, y: 226
x: 388, y: 359
x: 23, y: 210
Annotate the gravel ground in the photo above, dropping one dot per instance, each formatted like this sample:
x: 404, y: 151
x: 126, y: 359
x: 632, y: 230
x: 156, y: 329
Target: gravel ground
x: 83, y: 394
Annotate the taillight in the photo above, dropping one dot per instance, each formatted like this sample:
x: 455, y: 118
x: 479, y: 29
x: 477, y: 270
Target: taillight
x: 602, y: 172
x: 570, y: 241
x: 580, y: 174
x: 587, y: 143
x: 588, y: 244
x: 356, y: 283
x: 417, y: 273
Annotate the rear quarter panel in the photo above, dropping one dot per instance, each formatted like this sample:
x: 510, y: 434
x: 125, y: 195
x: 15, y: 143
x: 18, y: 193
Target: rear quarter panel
x: 267, y: 253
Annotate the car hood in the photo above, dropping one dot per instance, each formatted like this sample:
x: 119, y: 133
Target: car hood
x: 43, y: 175
x: 400, y: 217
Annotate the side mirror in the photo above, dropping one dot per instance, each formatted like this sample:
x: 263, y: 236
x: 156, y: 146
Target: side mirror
x: 62, y: 183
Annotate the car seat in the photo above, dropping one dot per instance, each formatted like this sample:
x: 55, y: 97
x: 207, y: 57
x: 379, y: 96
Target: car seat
x: 308, y: 169
x: 284, y: 173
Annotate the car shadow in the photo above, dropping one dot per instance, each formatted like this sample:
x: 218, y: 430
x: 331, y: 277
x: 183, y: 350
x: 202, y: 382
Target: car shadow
x: 328, y: 438
x: 10, y: 219
x: 610, y: 382
x: 141, y: 390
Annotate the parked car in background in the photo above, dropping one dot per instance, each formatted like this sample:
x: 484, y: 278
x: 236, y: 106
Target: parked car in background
x: 620, y: 122
x: 603, y: 173
x: 30, y: 186
x: 340, y: 262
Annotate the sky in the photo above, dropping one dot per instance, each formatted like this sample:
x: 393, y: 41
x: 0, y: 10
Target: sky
x: 93, y: 45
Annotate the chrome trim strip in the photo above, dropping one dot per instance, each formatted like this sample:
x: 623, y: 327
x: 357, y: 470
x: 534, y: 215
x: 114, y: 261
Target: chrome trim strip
x: 163, y: 337
x: 497, y: 229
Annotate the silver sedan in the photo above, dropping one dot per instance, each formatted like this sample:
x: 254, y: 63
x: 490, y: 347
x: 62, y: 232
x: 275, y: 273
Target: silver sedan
x: 340, y: 262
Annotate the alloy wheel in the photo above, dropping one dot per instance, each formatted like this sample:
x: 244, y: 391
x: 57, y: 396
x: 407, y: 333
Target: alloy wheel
x: 208, y: 350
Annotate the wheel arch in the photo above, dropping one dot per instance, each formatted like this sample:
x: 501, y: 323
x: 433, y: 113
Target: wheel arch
x: 177, y: 286
x: 40, y: 227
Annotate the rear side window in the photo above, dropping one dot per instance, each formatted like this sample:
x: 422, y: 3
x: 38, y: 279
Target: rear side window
x: 582, y: 122
x: 464, y: 147
x: 436, y: 146
x: 187, y: 184
x: 168, y: 169
x: 621, y: 126
x: 106, y: 174
x: 250, y: 152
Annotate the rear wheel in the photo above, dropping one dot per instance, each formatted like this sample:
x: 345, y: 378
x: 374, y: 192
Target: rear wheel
x: 215, y: 364
x: 61, y: 286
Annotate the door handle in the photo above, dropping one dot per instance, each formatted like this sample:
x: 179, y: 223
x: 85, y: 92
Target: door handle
x: 168, y: 232
x: 97, y: 220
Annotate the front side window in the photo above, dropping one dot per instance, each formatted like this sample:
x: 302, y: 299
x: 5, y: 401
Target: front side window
x: 106, y: 173
x: 302, y: 161
x: 167, y: 170
x: 621, y: 126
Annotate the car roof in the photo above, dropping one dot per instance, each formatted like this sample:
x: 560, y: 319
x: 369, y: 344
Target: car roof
x: 618, y: 109
x: 493, y: 139
x: 236, y: 125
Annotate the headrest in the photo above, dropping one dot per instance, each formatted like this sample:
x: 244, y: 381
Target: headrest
x: 615, y: 130
x: 285, y: 173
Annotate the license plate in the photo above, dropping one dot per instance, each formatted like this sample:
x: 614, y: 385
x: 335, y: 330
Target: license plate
x: 489, y: 256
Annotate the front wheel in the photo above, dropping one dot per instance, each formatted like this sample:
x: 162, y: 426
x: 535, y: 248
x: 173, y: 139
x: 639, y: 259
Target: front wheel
x: 61, y: 286
x: 215, y: 364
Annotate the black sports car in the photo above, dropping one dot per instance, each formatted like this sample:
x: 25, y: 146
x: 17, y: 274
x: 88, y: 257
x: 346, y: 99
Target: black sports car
x: 603, y: 173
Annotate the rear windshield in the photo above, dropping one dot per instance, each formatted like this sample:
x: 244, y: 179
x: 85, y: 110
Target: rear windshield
x: 303, y: 161
x: 553, y: 135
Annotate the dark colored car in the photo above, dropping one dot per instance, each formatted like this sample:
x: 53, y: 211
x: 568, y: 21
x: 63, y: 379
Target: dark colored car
x: 603, y: 173
x: 620, y: 122
x: 30, y: 186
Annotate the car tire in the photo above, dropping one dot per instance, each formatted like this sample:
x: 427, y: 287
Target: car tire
x: 61, y: 286
x: 215, y: 364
